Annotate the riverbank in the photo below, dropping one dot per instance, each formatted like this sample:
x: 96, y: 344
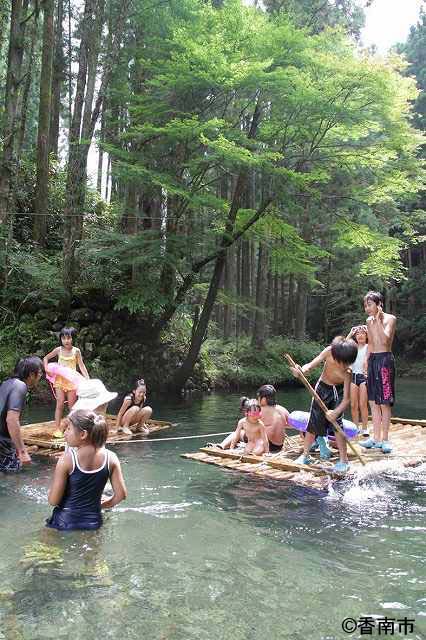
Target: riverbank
x: 114, y: 351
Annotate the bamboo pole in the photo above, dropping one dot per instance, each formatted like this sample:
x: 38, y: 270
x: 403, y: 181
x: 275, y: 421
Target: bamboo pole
x: 323, y: 406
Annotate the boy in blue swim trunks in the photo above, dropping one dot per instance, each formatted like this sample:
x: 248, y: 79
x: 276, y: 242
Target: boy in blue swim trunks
x: 333, y: 387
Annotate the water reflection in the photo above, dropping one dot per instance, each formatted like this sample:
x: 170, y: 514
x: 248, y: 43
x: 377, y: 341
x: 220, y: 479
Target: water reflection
x: 201, y: 553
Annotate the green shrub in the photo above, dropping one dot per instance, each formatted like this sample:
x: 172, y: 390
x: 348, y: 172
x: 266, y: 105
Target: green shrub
x: 233, y: 363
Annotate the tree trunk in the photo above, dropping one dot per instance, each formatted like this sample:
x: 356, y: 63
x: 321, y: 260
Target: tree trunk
x: 245, y: 283
x: 291, y: 306
x: 58, y: 78
x: 78, y: 151
x: 301, y: 309
x: 230, y: 290
x: 42, y: 184
x: 200, y: 331
x: 84, y: 119
x: 100, y: 152
x: 13, y: 79
x: 27, y: 86
x: 260, y: 316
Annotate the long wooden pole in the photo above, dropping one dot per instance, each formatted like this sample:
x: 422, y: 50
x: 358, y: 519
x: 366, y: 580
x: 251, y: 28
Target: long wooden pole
x: 323, y: 406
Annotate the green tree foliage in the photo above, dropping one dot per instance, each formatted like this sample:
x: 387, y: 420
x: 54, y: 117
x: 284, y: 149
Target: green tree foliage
x: 333, y: 130
x: 226, y: 123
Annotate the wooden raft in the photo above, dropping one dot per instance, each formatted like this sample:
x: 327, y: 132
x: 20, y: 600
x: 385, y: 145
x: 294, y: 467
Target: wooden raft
x: 39, y: 436
x: 408, y: 439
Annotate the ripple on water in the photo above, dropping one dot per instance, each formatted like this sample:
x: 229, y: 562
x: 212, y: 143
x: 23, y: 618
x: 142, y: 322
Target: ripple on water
x: 160, y: 509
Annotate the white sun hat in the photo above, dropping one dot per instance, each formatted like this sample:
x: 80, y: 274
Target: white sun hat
x: 92, y: 393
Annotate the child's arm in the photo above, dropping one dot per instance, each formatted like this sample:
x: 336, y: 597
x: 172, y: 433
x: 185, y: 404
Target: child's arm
x: 126, y: 404
x: 385, y: 331
x: 59, y: 481
x: 335, y: 413
x: 117, y: 481
x: 311, y: 365
x: 81, y: 364
x: 367, y: 355
x: 264, y: 436
x: 49, y: 356
x: 237, y: 433
x: 351, y: 333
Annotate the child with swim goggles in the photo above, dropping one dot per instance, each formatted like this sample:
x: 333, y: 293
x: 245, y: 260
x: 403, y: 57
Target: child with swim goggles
x: 254, y: 430
x: 226, y: 443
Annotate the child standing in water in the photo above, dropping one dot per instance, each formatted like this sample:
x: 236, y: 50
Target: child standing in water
x: 134, y: 411
x: 68, y: 356
x: 359, y: 399
x: 82, y: 473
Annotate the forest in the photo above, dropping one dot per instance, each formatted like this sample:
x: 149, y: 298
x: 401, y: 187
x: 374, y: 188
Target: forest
x: 197, y: 185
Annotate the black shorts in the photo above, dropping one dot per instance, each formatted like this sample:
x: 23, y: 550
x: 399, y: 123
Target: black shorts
x: 274, y: 448
x: 331, y: 396
x: 381, y: 378
x: 358, y: 378
x: 10, y: 463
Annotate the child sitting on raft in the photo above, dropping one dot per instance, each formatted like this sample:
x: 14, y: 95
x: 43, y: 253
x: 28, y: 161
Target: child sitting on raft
x: 333, y: 387
x: 254, y: 430
x: 68, y: 356
x: 226, y: 443
x: 273, y: 415
x: 134, y: 413
x: 82, y: 473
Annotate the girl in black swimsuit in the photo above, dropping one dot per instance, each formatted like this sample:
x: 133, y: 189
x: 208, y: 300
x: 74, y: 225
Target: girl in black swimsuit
x: 134, y: 412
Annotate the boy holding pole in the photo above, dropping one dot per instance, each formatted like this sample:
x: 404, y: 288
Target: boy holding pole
x: 333, y: 388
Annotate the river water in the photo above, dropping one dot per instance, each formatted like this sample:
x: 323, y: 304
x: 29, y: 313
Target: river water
x: 198, y: 552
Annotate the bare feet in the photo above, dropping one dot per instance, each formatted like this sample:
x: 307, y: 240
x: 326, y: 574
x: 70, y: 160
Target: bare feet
x: 125, y: 430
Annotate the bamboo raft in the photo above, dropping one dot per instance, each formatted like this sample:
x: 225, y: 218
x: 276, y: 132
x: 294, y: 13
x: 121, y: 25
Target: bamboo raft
x: 408, y: 439
x: 39, y: 436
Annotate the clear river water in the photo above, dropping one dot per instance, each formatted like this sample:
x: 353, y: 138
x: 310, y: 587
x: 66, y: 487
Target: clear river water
x: 201, y: 553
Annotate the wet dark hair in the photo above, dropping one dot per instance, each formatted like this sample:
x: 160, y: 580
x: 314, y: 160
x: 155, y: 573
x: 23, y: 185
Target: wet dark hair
x: 67, y: 331
x: 344, y: 350
x: 139, y: 383
x: 26, y: 366
x: 251, y: 404
x: 93, y: 423
x: 243, y: 402
x: 375, y: 296
x: 268, y: 392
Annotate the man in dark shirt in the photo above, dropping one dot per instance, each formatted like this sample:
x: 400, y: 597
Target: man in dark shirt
x: 13, y: 393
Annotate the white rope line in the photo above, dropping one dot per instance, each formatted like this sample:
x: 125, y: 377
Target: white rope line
x: 204, y: 435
